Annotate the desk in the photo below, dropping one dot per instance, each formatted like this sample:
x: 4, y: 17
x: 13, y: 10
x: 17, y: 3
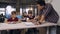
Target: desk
x: 5, y: 26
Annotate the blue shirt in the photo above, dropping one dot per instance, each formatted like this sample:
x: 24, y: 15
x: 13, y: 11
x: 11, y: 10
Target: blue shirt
x: 19, y: 16
x: 8, y: 16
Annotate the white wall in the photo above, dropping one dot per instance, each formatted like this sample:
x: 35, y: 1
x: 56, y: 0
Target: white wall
x: 56, y: 5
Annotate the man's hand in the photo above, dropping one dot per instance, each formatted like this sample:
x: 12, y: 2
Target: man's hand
x: 36, y: 17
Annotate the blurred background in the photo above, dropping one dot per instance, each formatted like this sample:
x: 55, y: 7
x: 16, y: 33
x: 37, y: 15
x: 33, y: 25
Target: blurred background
x: 21, y: 6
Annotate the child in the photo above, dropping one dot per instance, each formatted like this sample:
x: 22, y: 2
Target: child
x: 13, y: 20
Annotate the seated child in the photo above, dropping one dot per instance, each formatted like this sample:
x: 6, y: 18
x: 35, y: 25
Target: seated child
x: 13, y: 20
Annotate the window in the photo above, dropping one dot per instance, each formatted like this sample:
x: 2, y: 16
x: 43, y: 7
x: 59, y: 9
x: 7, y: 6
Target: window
x: 26, y: 9
x: 2, y: 11
x: 20, y: 11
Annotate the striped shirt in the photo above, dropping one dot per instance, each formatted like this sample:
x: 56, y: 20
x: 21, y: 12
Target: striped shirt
x: 49, y: 13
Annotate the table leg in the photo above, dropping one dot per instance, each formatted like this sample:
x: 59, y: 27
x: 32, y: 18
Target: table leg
x: 0, y: 31
x: 47, y: 30
x: 23, y: 31
x: 42, y: 30
x: 8, y: 32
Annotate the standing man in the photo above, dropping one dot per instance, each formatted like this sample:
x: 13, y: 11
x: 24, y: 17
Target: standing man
x: 47, y: 13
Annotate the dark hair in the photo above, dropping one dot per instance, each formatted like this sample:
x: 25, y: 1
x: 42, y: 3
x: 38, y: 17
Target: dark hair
x: 13, y: 12
x: 41, y: 2
x: 30, y: 12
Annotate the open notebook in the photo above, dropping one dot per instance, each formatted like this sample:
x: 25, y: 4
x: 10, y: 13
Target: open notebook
x: 28, y: 23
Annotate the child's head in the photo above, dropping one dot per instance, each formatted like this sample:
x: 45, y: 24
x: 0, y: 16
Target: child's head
x: 41, y: 4
x: 30, y: 13
x: 24, y: 14
x: 13, y: 14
